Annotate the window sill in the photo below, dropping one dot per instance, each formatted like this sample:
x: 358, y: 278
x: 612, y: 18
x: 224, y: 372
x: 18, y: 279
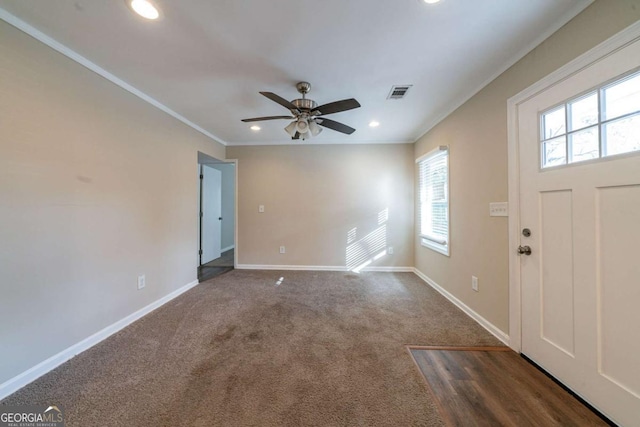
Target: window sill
x: 443, y: 249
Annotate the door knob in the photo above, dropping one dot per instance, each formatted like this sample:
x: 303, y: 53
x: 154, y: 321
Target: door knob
x: 524, y: 250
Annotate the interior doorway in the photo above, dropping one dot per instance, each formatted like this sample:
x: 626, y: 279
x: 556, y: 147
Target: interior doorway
x: 217, y: 216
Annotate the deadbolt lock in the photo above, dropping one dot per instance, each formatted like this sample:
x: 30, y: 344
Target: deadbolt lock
x: 524, y: 250
x: 526, y: 232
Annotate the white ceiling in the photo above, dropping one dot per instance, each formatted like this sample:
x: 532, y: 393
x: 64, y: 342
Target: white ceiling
x: 207, y: 60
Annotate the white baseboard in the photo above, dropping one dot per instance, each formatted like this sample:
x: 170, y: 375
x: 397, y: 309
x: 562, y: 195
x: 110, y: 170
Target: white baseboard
x: 14, y: 384
x: 320, y: 268
x: 494, y: 330
x: 228, y: 248
x: 390, y: 269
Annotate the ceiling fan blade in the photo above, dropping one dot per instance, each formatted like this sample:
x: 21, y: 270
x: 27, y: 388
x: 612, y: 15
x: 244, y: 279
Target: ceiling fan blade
x: 257, y: 119
x: 296, y: 136
x: 280, y: 100
x: 336, y: 107
x: 331, y: 124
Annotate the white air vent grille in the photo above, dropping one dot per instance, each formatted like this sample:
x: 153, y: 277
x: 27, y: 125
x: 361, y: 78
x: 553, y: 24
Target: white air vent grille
x: 399, y: 91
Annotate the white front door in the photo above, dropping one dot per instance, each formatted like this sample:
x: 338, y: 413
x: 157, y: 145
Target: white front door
x: 211, y: 213
x: 580, y: 286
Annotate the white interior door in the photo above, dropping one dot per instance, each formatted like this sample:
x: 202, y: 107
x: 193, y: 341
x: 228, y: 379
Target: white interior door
x: 211, y: 213
x: 580, y: 286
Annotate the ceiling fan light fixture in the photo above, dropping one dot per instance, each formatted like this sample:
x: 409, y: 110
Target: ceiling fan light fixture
x: 302, y: 126
x: 291, y: 128
x: 144, y: 8
x: 314, y: 129
x: 309, y: 118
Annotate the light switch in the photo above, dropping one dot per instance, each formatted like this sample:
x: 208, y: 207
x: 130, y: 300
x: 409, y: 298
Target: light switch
x: 499, y: 209
x: 261, y: 208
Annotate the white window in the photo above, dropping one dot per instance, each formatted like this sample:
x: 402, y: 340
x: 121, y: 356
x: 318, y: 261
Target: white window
x: 433, y: 199
x: 603, y: 122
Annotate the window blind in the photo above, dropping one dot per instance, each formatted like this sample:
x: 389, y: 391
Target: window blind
x: 434, y: 196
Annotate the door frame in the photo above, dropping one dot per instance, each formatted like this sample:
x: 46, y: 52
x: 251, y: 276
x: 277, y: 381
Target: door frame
x: 200, y: 183
x: 210, y: 183
x: 236, y: 250
x: 625, y: 37
x: 235, y: 201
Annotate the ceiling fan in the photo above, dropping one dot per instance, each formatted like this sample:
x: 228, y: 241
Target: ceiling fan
x: 307, y: 115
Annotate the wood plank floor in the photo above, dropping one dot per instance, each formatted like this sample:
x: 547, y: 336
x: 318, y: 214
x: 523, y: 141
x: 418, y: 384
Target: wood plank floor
x: 225, y: 260
x: 476, y: 387
x: 216, y: 267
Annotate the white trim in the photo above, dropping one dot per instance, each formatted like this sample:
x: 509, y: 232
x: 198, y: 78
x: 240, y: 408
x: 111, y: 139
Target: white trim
x: 236, y: 253
x: 594, y: 55
x: 14, y: 384
x: 320, y: 268
x: 434, y: 239
x: 317, y: 142
x: 442, y: 248
x: 513, y: 172
x: 389, y: 269
x: 562, y: 20
x: 436, y: 151
x: 443, y: 245
x: 59, y: 47
x: 494, y: 330
x: 228, y: 248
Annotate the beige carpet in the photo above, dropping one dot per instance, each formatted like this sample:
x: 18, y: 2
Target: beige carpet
x: 321, y: 349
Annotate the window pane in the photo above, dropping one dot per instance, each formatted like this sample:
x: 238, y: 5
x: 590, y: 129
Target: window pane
x: 440, y: 225
x: 622, y: 136
x: 554, y: 124
x: 622, y: 98
x: 554, y: 152
x: 583, y: 112
x: 584, y: 145
x: 434, y: 202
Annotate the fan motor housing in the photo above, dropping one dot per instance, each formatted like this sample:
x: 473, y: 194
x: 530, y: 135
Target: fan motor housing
x: 305, y: 104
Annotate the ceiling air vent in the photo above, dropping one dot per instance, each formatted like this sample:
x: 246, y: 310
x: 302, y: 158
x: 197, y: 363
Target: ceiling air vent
x: 399, y: 91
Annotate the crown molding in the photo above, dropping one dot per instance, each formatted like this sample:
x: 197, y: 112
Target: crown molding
x: 562, y: 20
x: 313, y: 142
x: 75, y: 56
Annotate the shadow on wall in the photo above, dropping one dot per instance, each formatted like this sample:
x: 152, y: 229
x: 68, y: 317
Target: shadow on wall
x: 373, y: 246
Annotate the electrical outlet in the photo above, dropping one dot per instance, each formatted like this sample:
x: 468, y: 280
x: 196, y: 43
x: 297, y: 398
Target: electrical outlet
x: 282, y: 249
x: 474, y: 283
x: 390, y: 250
x: 261, y: 209
x: 141, y: 282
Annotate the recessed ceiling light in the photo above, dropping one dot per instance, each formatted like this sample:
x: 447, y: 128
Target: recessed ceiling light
x: 255, y: 128
x: 374, y: 124
x: 144, y: 8
x: 431, y: 1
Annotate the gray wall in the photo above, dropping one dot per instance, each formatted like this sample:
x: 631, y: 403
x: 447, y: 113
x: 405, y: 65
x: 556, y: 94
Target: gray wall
x: 97, y: 187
